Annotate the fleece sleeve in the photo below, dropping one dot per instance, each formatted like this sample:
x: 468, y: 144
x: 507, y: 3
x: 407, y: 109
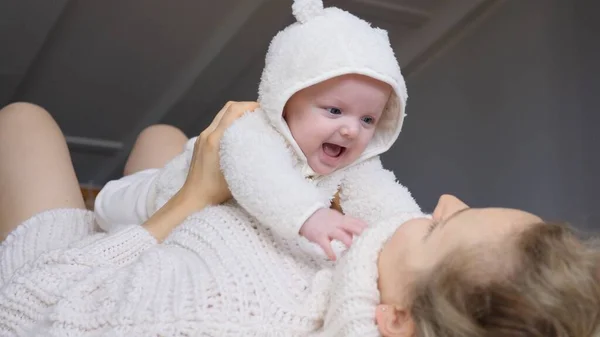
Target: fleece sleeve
x: 259, y: 169
x: 372, y: 193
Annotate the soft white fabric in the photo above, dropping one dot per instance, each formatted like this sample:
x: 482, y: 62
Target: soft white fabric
x: 125, y: 201
x: 214, y: 276
x: 264, y: 177
x: 199, y: 282
x: 353, y: 295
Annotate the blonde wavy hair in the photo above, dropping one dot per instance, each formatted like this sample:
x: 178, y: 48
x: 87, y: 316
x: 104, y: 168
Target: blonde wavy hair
x: 551, y: 289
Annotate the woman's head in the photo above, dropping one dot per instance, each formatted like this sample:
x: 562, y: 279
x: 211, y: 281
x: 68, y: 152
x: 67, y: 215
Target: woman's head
x: 487, y: 272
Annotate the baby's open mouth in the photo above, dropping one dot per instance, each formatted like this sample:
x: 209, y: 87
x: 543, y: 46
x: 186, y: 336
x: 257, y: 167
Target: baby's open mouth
x: 333, y: 150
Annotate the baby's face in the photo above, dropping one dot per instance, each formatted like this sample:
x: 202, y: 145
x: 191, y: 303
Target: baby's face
x: 334, y: 121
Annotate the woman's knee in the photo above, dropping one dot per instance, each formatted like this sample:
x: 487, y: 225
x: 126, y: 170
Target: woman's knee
x: 36, y: 171
x: 161, y: 133
x: 25, y: 116
x: 154, y: 146
x: 160, y: 136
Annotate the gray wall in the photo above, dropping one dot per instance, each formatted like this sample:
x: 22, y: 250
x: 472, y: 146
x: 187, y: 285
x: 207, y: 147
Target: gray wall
x: 508, y: 115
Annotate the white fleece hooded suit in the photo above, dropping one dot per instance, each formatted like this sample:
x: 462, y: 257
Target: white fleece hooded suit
x: 266, y: 170
x: 238, y: 269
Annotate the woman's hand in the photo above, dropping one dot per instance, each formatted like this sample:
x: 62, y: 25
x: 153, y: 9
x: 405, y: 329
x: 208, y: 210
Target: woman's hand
x: 205, y: 184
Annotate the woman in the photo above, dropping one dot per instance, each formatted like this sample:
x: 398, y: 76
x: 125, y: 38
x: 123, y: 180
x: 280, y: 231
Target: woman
x: 462, y: 272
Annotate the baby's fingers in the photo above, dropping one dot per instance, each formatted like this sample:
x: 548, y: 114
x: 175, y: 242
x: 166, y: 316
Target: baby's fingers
x: 325, y: 244
x: 343, y: 236
x: 353, y: 225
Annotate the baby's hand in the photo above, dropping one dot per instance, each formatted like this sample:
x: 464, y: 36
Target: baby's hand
x: 328, y: 224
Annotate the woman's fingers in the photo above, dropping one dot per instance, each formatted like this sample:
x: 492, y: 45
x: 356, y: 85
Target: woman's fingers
x: 217, y: 119
x: 224, y: 118
x: 233, y: 112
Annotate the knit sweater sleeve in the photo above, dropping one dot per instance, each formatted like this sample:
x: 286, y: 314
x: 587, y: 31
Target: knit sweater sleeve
x: 140, y: 288
x: 259, y: 169
x: 372, y: 193
x: 118, y: 248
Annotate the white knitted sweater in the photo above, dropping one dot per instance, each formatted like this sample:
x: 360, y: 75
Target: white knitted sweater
x: 214, y: 276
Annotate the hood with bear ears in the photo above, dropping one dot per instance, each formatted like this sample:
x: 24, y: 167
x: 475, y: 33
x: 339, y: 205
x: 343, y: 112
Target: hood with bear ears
x: 326, y: 43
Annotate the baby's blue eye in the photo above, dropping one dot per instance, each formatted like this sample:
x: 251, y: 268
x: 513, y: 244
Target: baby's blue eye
x: 334, y: 111
x: 368, y: 120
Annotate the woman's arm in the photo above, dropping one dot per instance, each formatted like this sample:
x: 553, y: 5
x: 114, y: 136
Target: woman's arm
x: 172, y: 214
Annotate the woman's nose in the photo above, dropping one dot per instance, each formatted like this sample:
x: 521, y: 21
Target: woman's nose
x: 446, y: 206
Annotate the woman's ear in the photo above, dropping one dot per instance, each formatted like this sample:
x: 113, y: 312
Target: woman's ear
x: 393, y: 321
x: 284, y: 113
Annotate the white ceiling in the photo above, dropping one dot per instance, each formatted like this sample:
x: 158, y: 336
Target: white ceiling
x: 107, y: 69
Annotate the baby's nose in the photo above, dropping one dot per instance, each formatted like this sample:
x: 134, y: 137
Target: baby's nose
x: 349, y: 130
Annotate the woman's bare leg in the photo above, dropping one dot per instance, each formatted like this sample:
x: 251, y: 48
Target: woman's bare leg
x: 36, y: 173
x: 154, y: 147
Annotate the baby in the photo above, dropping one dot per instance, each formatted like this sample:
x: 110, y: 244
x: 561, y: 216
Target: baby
x: 332, y: 99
